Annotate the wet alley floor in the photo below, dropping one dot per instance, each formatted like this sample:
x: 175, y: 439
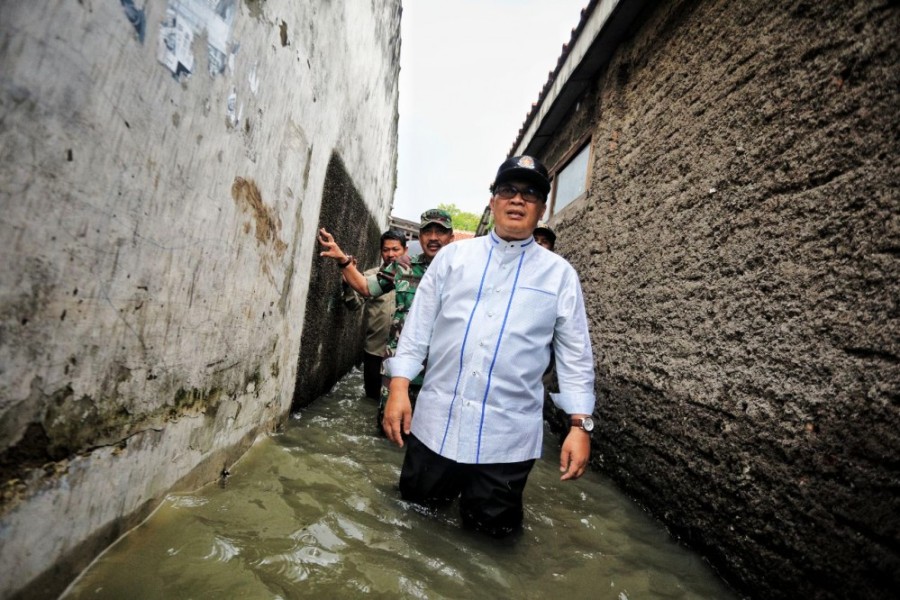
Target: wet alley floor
x: 313, y: 512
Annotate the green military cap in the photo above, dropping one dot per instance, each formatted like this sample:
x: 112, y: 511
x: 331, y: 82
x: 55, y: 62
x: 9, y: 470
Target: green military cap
x: 436, y: 215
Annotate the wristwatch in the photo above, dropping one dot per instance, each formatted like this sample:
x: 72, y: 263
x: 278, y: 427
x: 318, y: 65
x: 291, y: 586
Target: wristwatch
x: 346, y: 263
x: 583, y: 423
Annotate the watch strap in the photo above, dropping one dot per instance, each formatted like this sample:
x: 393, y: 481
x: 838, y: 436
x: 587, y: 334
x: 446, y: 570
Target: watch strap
x: 579, y: 423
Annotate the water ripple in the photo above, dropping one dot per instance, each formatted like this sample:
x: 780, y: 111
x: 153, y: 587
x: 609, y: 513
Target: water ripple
x: 295, y: 564
x: 351, y: 529
x: 223, y: 550
x: 319, y: 534
x: 186, y: 501
x: 413, y: 589
x: 285, y: 566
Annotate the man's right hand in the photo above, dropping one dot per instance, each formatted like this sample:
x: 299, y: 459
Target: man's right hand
x: 332, y: 249
x: 398, y: 411
x: 349, y: 272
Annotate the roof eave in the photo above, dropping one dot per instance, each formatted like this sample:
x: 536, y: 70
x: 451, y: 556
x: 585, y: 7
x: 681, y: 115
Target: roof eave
x: 604, y: 24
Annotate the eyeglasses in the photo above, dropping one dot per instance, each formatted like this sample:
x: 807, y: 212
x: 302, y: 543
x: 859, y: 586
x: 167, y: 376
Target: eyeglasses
x: 508, y: 192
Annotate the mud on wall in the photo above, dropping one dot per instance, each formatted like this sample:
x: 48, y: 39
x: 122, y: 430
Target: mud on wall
x: 739, y: 253
x: 159, y: 198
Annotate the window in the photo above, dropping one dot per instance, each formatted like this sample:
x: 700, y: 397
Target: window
x: 571, y: 181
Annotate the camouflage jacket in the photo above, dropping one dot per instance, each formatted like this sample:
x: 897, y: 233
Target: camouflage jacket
x: 402, y: 276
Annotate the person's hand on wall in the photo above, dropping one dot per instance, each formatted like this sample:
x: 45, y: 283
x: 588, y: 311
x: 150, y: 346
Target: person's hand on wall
x: 345, y: 262
x: 332, y: 250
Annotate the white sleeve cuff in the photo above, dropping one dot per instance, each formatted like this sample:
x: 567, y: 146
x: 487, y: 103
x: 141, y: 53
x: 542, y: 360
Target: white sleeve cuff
x: 575, y: 403
x: 402, y: 367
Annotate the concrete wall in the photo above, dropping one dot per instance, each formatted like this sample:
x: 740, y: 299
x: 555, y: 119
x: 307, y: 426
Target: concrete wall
x: 156, y: 238
x: 740, y: 253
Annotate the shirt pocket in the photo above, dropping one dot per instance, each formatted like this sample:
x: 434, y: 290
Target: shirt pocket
x: 535, y: 308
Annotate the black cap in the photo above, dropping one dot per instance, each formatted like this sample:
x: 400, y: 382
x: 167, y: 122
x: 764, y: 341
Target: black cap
x: 524, y: 168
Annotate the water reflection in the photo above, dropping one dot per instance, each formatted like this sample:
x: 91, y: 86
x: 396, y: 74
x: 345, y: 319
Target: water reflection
x: 314, y: 512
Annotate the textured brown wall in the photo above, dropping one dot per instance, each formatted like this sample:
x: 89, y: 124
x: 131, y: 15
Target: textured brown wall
x: 739, y: 252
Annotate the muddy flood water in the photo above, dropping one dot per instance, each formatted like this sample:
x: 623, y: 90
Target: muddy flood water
x: 314, y: 512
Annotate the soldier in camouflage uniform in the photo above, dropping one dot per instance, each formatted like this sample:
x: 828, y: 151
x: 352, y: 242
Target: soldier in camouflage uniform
x: 402, y: 276
x: 378, y: 314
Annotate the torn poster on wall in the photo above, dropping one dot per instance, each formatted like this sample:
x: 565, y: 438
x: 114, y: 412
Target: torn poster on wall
x: 186, y: 19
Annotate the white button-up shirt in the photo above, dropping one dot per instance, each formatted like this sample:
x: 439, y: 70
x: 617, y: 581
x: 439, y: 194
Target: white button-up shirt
x: 486, y: 315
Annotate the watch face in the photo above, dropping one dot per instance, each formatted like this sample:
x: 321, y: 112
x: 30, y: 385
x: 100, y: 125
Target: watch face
x: 587, y: 424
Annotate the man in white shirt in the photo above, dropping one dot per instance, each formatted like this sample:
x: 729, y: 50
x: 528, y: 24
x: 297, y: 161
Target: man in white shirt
x: 486, y: 315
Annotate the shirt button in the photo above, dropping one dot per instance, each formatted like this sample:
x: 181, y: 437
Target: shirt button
x: 474, y: 373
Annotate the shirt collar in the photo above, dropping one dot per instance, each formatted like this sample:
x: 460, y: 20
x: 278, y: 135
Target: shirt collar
x: 514, y: 246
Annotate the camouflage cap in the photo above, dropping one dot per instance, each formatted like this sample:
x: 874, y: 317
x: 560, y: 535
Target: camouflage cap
x: 436, y: 215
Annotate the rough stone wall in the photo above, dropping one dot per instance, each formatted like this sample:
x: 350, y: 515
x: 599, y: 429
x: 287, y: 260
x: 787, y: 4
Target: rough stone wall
x: 739, y: 250
x: 156, y: 236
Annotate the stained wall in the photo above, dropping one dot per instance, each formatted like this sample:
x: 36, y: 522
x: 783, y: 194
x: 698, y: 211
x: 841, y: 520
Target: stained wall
x: 163, y: 168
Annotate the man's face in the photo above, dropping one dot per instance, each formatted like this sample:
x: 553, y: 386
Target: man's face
x: 433, y: 237
x: 514, y: 218
x: 543, y: 240
x: 391, y: 250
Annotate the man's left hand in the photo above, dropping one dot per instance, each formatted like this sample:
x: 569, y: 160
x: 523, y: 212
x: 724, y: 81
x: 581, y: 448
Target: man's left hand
x: 576, y: 450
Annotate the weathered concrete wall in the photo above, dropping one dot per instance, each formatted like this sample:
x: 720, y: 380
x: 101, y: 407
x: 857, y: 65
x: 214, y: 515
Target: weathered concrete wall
x: 739, y: 250
x: 156, y: 236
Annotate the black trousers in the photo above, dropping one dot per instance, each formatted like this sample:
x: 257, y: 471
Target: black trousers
x: 490, y: 494
x: 372, y: 375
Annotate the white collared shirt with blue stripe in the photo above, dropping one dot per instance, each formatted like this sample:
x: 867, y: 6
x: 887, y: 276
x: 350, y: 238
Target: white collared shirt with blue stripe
x: 486, y: 314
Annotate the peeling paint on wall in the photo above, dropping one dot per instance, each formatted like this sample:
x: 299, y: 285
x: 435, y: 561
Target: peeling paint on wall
x: 186, y: 19
x: 253, y: 78
x: 232, y: 110
x: 136, y: 17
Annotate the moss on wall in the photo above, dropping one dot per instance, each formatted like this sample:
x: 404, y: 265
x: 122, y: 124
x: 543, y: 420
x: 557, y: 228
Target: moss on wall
x: 332, y: 335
